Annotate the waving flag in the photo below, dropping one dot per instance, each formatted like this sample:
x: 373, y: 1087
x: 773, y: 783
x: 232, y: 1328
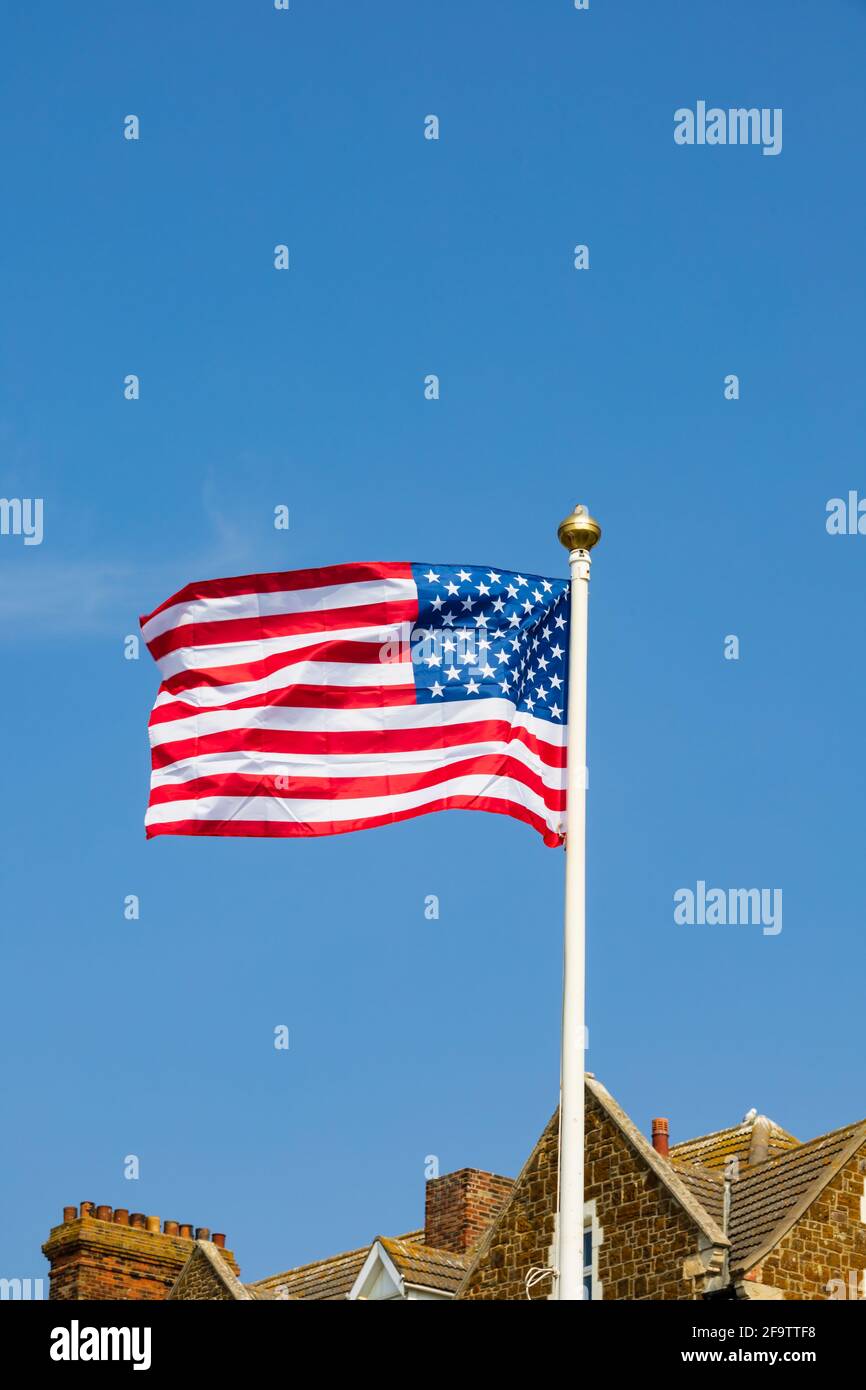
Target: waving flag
x: 318, y: 701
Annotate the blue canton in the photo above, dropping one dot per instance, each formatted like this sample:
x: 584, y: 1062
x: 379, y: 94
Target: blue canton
x: 483, y: 633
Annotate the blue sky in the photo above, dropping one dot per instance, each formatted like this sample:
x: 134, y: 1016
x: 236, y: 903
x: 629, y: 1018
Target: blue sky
x: 409, y: 257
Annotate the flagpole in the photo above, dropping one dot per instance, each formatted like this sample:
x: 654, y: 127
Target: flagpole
x: 578, y: 533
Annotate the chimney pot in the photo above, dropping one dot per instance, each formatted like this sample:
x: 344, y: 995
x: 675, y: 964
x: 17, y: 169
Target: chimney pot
x: 87, y: 1208
x: 103, y: 1213
x: 137, y: 1220
x: 186, y: 1231
x: 661, y: 1136
x: 121, y: 1216
x: 219, y: 1240
x: 202, y: 1233
x: 69, y: 1214
x: 152, y: 1223
x: 170, y: 1228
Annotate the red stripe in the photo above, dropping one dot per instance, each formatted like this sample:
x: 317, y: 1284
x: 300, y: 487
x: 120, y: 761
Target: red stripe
x: 344, y: 788
x: 303, y: 697
x: 291, y: 829
x: 328, y: 650
x: 258, y: 629
x: 284, y: 580
x: 324, y: 743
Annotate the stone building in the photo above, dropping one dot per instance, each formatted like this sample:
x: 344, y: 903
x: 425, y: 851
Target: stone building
x: 746, y: 1212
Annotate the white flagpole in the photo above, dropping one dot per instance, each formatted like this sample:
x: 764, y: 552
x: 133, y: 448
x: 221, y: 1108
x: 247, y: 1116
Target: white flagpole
x: 578, y: 533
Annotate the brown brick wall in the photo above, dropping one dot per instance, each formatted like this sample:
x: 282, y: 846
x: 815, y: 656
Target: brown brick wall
x: 828, y: 1242
x: 460, y: 1207
x: 92, y: 1259
x: 646, y: 1235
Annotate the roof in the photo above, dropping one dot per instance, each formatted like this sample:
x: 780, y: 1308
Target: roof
x: 766, y: 1201
x: 714, y: 1150
x: 423, y: 1266
x: 322, y: 1281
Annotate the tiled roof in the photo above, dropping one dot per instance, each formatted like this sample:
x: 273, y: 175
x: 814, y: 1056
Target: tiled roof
x: 323, y: 1280
x: 714, y: 1150
x: 706, y: 1186
x: 764, y: 1200
x: 424, y: 1266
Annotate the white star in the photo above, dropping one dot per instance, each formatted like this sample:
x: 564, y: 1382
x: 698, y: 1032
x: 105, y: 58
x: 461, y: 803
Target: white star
x: 447, y: 619
x: 448, y: 645
x: 504, y: 684
x: 546, y: 585
x: 515, y: 644
x: 560, y: 621
x: 527, y: 606
x: 434, y: 659
x: 535, y: 644
x: 502, y: 658
x: 480, y: 620
x: 498, y: 605
x: 437, y: 602
x: 493, y: 576
x: 467, y: 604
x: 555, y: 711
x: 483, y: 643
x: 520, y: 581
x: 541, y: 692
x: 487, y: 669
x: 555, y: 682
x: 546, y: 632
x: 556, y: 651
x: 543, y: 663
x: 431, y: 577
x: 436, y: 688
x: 462, y: 575
x: 530, y: 705
x: 511, y: 591
x: 467, y: 658
x: 482, y: 588
x: 472, y: 687
x: 514, y: 621
x: 452, y: 588
x: 452, y: 673
x: 536, y: 595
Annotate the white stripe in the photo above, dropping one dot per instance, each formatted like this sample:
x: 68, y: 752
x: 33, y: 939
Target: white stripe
x: 348, y: 673
x: 296, y: 673
x: 314, y: 809
x: 300, y: 720
x: 297, y: 765
x: 225, y: 655
x: 255, y: 605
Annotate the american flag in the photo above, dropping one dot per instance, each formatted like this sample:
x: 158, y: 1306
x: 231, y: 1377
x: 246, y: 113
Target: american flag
x: 318, y: 701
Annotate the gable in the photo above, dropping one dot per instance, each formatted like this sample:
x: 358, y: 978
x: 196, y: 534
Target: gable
x: 655, y: 1239
x: 206, y: 1278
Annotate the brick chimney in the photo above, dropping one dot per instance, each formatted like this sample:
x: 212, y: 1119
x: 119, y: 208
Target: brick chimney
x: 661, y: 1136
x: 113, y: 1255
x: 459, y: 1207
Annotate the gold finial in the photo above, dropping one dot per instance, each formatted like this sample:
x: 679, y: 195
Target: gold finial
x: 579, y: 531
